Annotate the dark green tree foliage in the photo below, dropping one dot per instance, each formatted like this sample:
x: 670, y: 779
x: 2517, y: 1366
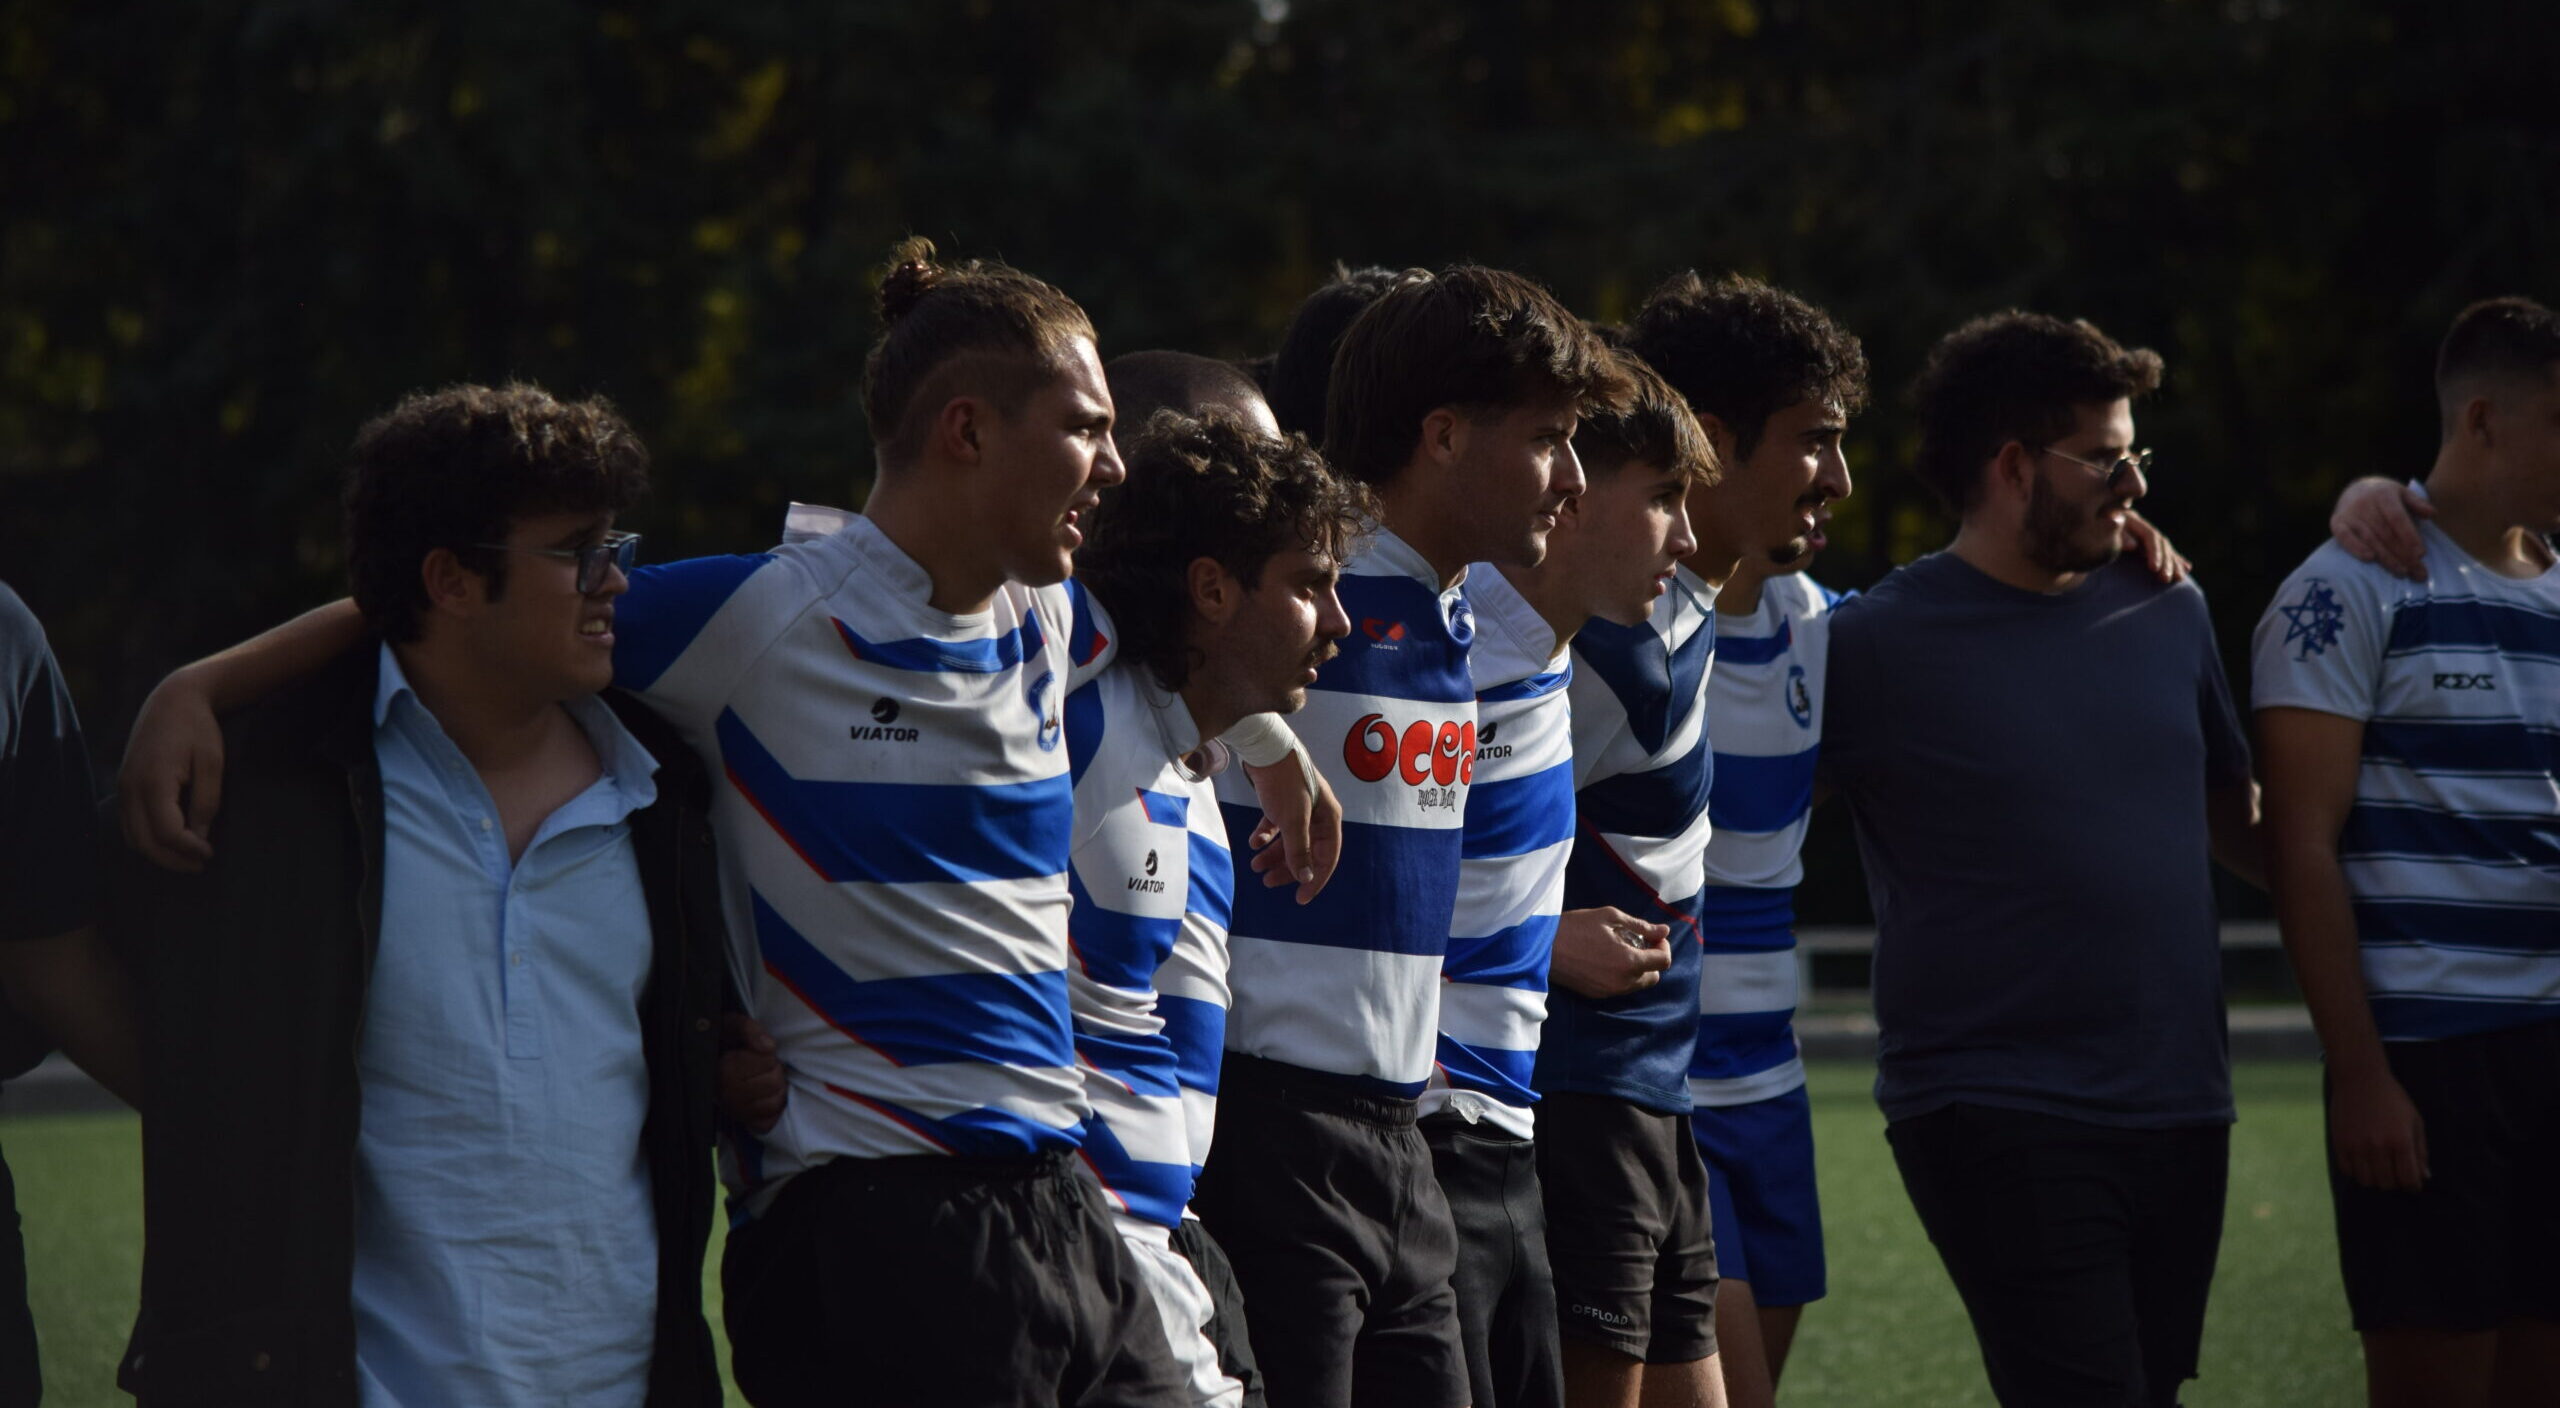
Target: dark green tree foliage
x: 234, y: 228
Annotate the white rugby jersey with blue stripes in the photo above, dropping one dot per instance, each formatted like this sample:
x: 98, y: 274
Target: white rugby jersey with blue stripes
x: 1642, y: 766
x: 2451, y: 851
x: 1764, y: 701
x: 1349, y: 984
x: 1152, y: 883
x: 894, y: 820
x: 1519, y: 831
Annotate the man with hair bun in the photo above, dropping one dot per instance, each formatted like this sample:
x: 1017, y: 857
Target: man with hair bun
x: 1454, y: 397
x: 881, y: 697
x: 2040, y: 753
x: 2411, y: 734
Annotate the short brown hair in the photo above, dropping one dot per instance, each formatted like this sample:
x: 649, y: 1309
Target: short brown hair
x: 1206, y: 486
x: 2014, y: 376
x: 1656, y: 428
x: 1475, y: 340
x: 455, y: 468
x: 978, y: 327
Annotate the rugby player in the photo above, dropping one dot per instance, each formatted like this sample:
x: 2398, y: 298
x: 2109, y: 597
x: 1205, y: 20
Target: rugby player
x: 1612, y: 554
x: 2411, y: 733
x: 1455, y: 398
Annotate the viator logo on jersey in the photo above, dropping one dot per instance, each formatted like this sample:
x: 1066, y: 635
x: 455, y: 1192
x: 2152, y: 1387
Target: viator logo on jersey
x: 884, y: 713
x: 1487, y: 749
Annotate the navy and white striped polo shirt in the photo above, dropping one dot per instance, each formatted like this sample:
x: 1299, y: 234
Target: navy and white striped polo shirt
x: 2452, y: 848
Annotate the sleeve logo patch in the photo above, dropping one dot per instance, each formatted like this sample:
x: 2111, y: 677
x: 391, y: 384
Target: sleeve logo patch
x: 2315, y: 621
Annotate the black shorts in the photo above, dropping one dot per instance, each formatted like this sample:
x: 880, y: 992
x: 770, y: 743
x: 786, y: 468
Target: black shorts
x: 2476, y: 1247
x: 1325, y: 1203
x: 1628, y: 1231
x: 1227, y: 1329
x: 2083, y: 1251
x: 1506, y: 1294
x: 941, y: 1281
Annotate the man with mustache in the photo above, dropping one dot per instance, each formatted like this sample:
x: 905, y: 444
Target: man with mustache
x: 2040, y: 752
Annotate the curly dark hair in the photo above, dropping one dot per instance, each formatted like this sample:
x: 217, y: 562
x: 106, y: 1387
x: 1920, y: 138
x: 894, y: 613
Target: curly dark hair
x: 1303, y: 367
x: 978, y: 328
x: 456, y: 468
x: 1475, y: 340
x: 1207, y: 486
x: 1742, y: 351
x: 1656, y: 428
x: 2014, y: 376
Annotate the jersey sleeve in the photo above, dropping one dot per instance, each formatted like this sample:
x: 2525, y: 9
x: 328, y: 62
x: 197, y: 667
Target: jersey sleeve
x: 2320, y: 643
x: 1093, y: 642
x: 687, y: 630
x: 48, y: 817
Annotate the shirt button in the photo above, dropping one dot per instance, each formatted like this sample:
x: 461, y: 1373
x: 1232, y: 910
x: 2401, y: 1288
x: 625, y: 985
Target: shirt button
x: 516, y: 959
x: 259, y: 1361
x: 484, y: 823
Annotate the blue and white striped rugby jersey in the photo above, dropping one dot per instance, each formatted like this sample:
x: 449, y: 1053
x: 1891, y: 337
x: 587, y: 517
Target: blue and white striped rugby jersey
x: 1152, y: 882
x: 1765, y: 703
x: 1519, y: 829
x: 1642, y: 766
x: 2452, y: 849
x: 1350, y: 983
x: 894, y: 818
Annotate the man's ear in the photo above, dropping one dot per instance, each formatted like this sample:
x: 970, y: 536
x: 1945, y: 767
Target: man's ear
x: 2478, y: 421
x: 2013, y: 469
x: 1215, y: 593
x: 1721, y: 437
x: 451, y: 587
x: 957, y: 428
x: 1444, y: 436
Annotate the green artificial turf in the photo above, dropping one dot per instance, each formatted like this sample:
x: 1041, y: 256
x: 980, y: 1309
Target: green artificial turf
x: 1890, y: 1333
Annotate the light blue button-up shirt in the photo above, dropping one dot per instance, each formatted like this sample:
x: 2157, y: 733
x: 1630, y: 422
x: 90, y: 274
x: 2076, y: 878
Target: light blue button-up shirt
x: 506, y: 1253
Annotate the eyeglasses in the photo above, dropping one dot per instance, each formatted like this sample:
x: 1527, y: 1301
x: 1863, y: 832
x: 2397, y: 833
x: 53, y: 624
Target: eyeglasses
x: 2136, y: 462
x: 618, y: 550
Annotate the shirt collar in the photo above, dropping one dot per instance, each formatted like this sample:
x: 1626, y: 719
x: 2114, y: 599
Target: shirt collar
x: 632, y: 767
x: 1173, y: 718
x: 860, y: 538
x: 1500, y: 607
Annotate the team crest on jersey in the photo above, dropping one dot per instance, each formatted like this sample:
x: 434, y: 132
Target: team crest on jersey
x: 1051, y: 729
x: 2316, y: 620
x: 1799, y: 697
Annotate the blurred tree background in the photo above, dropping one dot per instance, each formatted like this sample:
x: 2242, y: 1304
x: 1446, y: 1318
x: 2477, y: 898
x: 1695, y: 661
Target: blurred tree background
x: 234, y: 229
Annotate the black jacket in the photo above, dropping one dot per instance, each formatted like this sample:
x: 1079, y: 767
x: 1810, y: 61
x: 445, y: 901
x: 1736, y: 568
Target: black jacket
x: 252, y: 979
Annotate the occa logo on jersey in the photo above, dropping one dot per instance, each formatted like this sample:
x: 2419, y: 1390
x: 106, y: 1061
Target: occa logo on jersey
x: 1422, y: 752
x: 883, y: 727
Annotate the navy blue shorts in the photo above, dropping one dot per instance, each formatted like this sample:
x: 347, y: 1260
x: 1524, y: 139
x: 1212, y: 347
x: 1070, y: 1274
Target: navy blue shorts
x: 1768, y: 1216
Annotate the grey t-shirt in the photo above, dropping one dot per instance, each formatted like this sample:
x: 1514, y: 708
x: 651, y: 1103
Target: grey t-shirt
x: 2028, y: 777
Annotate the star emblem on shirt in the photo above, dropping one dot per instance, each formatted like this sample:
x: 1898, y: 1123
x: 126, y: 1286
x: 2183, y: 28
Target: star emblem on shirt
x: 2316, y: 620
